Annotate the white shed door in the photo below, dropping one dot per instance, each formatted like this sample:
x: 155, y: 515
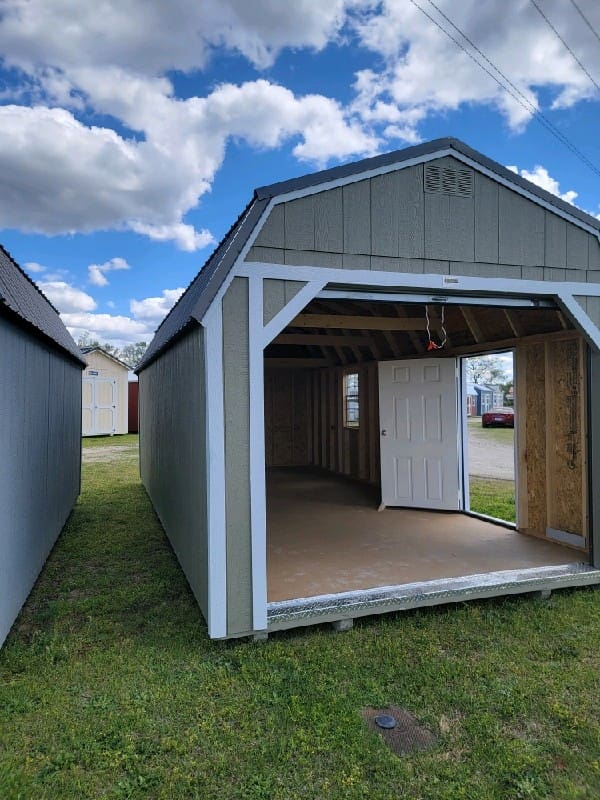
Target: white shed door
x: 418, y: 402
x: 99, y: 406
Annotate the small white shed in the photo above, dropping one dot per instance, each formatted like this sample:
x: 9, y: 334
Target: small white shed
x: 104, y: 394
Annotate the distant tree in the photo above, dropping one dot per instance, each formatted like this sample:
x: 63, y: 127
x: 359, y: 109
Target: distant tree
x: 486, y: 369
x: 132, y: 354
x: 85, y: 340
x: 508, y: 391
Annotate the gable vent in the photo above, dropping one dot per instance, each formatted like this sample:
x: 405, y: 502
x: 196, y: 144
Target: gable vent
x: 448, y: 180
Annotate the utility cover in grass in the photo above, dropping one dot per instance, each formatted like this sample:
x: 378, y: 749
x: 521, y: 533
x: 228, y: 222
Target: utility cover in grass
x: 409, y: 736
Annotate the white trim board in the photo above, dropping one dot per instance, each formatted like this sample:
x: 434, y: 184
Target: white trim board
x: 215, y: 465
x: 419, y: 281
x: 561, y: 291
x: 456, y: 299
x: 258, y: 501
x: 291, y: 310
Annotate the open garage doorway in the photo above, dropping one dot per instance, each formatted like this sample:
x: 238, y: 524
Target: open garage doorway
x: 325, y: 440
x: 488, y: 409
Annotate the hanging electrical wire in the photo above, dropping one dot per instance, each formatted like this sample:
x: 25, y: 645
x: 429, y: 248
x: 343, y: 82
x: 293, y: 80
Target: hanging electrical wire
x: 560, y: 38
x: 585, y: 19
x: 431, y: 345
x: 506, y: 84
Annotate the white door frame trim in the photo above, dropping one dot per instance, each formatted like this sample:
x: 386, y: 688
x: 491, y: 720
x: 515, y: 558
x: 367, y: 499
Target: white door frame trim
x: 261, y: 335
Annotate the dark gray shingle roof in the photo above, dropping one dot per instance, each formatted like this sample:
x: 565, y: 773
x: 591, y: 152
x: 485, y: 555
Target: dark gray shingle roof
x: 197, y: 298
x: 21, y: 297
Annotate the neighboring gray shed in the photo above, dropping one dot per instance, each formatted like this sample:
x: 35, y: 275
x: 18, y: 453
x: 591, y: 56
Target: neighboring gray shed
x: 299, y: 434
x: 40, y: 433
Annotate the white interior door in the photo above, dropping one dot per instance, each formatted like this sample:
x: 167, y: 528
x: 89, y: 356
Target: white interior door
x: 420, y: 462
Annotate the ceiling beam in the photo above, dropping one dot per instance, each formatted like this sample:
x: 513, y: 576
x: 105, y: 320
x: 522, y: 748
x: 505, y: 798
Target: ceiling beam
x: 326, y: 339
x: 298, y: 362
x: 352, y: 322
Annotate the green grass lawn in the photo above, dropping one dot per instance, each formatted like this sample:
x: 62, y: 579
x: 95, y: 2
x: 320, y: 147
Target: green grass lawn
x: 500, y: 435
x: 493, y: 497
x: 109, y: 687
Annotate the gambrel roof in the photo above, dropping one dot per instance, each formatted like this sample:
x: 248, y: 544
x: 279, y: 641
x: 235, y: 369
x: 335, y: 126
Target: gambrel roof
x: 195, y: 301
x: 22, y: 299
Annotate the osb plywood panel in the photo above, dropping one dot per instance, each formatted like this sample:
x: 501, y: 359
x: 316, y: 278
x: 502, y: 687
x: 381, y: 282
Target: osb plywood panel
x: 565, y: 421
x: 533, y: 412
x: 288, y: 418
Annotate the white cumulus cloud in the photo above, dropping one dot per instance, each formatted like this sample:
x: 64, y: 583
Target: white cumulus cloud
x: 97, y: 272
x: 62, y: 174
x: 33, y: 266
x: 67, y: 298
x: 541, y: 177
x: 152, y: 310
x: 78, y: 313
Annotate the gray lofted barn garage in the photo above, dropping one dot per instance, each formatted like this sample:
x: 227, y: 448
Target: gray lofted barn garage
x: 304, y: 449
x: 40, y: 434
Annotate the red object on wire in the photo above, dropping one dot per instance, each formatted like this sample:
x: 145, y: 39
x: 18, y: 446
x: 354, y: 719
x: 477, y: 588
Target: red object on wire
x: 431, y: 345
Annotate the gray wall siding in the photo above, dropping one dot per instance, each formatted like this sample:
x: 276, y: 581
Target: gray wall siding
x: 172, y: 415
x: 389, y: 222
x: 236, y: 396
x: 276, y: 295
x: 40, y: 465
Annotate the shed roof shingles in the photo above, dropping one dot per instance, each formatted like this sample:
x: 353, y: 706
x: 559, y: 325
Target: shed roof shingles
x: 200, y: 293
x: 20, y: 294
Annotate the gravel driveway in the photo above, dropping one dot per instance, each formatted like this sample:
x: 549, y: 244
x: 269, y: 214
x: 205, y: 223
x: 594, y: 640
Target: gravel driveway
x: 491, y: 452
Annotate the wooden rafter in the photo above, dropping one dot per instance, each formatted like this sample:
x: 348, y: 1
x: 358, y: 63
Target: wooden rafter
x: 472, y: 324
x: 352, y: 322
x: 513, y: 322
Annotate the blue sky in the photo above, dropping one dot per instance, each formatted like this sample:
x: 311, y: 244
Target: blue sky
x: 131, y: 139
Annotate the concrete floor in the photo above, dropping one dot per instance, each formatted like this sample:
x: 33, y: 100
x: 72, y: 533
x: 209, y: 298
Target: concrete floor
x: 325, y: 535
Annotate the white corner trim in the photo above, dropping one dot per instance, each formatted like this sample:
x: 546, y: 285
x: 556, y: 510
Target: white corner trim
x: 579, y: 316
x: 291, y: 310
x: 215, y: 461
x: 258, y: 510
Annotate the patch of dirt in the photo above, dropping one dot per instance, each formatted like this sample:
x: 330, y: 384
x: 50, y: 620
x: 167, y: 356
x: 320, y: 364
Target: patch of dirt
x: 489, y: 458
x: 408, y: 736
x: 114, y: 452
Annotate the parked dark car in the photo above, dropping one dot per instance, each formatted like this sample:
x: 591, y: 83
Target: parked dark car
x: 499, y: 417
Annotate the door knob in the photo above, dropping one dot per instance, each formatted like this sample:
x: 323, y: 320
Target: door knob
x: 384, y: 432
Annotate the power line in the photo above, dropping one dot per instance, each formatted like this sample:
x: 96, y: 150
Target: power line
x: 560, y: 38
x: 585, y: 19
x: 505, y: 84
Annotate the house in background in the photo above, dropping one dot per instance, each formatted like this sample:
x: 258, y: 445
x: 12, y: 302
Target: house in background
x: 471, y: 400
x: 484, y: 398
x: 497, y: 396
x: 40, y: 433
x: 104, y: 397
x: 291, y: 392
